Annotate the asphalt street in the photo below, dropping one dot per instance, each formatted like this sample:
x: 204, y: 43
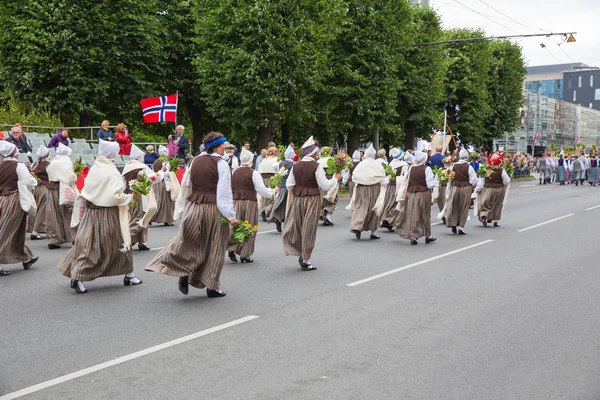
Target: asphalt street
x: 501, y: 313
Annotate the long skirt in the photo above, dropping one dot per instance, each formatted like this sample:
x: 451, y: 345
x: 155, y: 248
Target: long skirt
x: 389, y: 215
x: 165, y: 206
x: 245, y: 210
x: 138, y: 234
x: 593, y: 175
x: 266, y: 205
x: 300, y: 230
x: 38, y: 223
x: 13, y: 224
x: 441, y: 200
x: 198, y: 249
x: 415, y: 221
x: 278, y: 213
x: 97, y: 251
x: 363, y: 216
x: 58, y: 220
x: 351, y: 186
x: 561, y: 174
x: 457, y: 207
x: 490, y: 203
x: 329, y: 206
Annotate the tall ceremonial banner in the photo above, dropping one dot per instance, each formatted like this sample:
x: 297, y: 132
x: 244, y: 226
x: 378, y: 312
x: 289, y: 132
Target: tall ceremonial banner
x: 160, y: 109
x: 440, y: 140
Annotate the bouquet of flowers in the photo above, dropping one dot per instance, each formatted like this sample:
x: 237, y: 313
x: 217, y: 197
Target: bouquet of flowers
x: 474, y: 156
x: 78, y: 166
x: 484, y: 171
x: 444, y: 175
x: 141, y: 185
x: 509, y: 168
x: 326, y: 151
x: 243, y: 231
x: 594, y: 148
x: 338, y: 163
x: 275, y: 180
x: 173, y: 162
x: 554, y: 148
x: 281, y: 155
x: 389, y: 171
x: 447, y: 161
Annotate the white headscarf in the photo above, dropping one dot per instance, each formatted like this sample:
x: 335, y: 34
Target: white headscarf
x: 43, y: 152
x: 409, y: 158
x: 396, y: 153
x: 246, y: 157
x: 7, y: 149
x: 356, y: 156
x: 163, y: 151
x: 309, y: 147
x: 420, y: 157
x: 136, y: 153
x: 63, y: 150
x: 108, y: 149
x: 464, y: 153
x: 289, y: 153
x: 370, y: 152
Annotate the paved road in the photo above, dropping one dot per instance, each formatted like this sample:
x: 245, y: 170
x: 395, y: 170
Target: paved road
x: 496, y: 314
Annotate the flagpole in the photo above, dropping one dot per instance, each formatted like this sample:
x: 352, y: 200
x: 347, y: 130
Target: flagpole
x: 176, y: 106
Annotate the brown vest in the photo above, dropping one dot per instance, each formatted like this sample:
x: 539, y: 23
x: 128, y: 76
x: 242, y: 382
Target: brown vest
x: 131, y: 175
x: 354, y: 164
x: 40, y: 171
x: 495, y: 180
x: 157, y: 165
x: 306, y: 182
x: 204, y: 177
x: 461, y: 179
x: 242, y: 184
x: 416, y: 181
x: 8, y: 178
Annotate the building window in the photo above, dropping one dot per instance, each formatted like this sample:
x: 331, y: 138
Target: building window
x: 597, y: 94
x: 574, y: 95
x: 591, y: 80
x: 569, y: 83
x: 580, y: 81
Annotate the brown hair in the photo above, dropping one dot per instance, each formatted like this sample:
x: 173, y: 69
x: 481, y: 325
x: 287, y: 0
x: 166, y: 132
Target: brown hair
x: 121, y: 127
x: 211, y: 136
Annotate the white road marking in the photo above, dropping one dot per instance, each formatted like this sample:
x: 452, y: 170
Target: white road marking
x: 120, y: 360
x: 591, y: 208
x: 437, y: 223
x: 537, y: 191
x: 157, y: 248
x: 260, y: 233
x: 527, y: 185
x: 543, y: 223
x: 417, y: 264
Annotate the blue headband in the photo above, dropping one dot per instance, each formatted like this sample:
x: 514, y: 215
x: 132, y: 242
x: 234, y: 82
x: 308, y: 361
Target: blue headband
x: 215, y: 142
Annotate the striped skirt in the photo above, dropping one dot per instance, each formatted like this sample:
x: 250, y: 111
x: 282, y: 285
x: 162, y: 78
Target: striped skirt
x: 96, y: 252
x: 198, y: 249
x: 490, y: 203
x: 363, y: 216
x: 300, y: 230
x: 266, y: 205
x: 278, y: 213
x: 41, y: 198
x: 138, y: 234
x: 13, y: 224
x: 415, y: 221
x: 593, y: 175
x: 58, y: 220
x: 351, y: 186
x: 389, y: 215
x: 441, y: 200
x: 329, y: 206
x: 561, y: 174
x: 165, y: 206
x: 245, y: 210
x: 457, y: 208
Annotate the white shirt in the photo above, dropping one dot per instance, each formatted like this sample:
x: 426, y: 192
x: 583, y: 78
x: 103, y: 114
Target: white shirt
x: 224, y: 193
x: 430, y: 178
x: 472, y: 173
x: 259, y: 186
x: 23, y: 173
x: 324, y: 183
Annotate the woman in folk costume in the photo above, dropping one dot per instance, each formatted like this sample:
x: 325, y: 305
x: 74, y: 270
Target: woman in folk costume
x: 441, y: 199
x: 196, y: 253
x: 389, y: 216
x: 246, y: 183
x: 561, y: 170
x: 415, y: 220
x: 305, y: 183
x: 138, y: 217
x: 14, y: 178
x: 369, y: 193
x: 40, y: 193
x: 102, y: 243
x: 356, y: 158
x: 265, y: 169
x: 456, y: 210
x: 593, y: 171
x: 280, y: 205
x: 166, y: 191
x: 58, y: 217
x: 330, y: 198
x: 491, y: 191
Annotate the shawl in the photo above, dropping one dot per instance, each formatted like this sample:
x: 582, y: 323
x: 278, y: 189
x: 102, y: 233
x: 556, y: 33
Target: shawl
x: 60, y: 169
x: 369, y: 172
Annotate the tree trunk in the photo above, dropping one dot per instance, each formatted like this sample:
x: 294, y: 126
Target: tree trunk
x: 375, y: 136
x: 195, y: 114
x: 266, y: 134
x: 410, y: 128
x: 285, y: 134
x: 353, y: 140
x: 85, y: 118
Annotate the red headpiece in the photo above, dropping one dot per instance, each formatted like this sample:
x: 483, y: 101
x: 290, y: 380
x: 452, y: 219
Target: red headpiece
x: 495, y: 159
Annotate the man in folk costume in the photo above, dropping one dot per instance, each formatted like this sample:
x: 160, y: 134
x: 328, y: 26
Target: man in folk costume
x: 142, y: 210
x: 166, y: 190
x: 369, y: 194
x: 61, y: 176
x: 196, y: 253
x: 265, y: 169
x: 279, y: 208
x: 415, y: 220
x: 460, y: 189
x: 305, y: 183
x: 102, y: 243
x: 40, y: 193
x: 330, y: 197
x: 389, y: 215
x: 246, y: 183
x: 542, y: 167
x: 576, y: 170
x: 15, y: 181
x: 492, y: 192
x: 585, y: 165
x: 356, y: 159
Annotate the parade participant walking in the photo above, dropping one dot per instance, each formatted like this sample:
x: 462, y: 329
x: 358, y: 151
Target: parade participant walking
x: 459, y: 196
x: 542, y: 168
x: 265, y: 169
x: 415, y: 220
x: 246, y: 183
x: 330, y: 197
x: 305, y: 183
x: 102, y: 243
x: 389, y: 215
x: 40, y: 193
x: 14, y: 177
x: 281, y: 199
x: 561, y: 175
x: 196, y: 253
x: 166, y: 191
x: 356, y: 158
x: 369, y: 194
x: 492, y: 191
x: 576, y: 171
x: 593, y: 170
x: 61, y: 178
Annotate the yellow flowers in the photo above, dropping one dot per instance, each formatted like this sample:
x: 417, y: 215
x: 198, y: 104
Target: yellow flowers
x: 242, y: 232
x: 255, y: 228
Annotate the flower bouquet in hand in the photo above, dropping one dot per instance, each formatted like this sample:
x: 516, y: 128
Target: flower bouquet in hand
x: 389, y: 171
x: 443, y: 175
x: 243, y: 231
x: 275, y: 180
x: 141, y: 186
x: 173, y: 162
x: 484, y: 171
x: 339, y: 163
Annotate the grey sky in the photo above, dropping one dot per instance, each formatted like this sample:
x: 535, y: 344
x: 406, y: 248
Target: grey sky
x: 539, y: 16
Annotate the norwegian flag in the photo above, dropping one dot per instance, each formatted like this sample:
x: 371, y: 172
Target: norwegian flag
x: 160, y: 109
x: 535, y: 138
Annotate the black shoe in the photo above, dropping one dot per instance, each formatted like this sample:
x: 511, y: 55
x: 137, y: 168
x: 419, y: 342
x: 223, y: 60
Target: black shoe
x: 214, y: 293
x: 36, y: 237
x: 413, y: 242
x: 461, y: 231
x: 374, y: 237
x: 484, y: 221
x: 143, y: 247
x: 263, y: 215
x: 278, y: 226
x: 246, y: 260
x: 4, y: 273
x: 75, y: 286
x: 307, y: 267
x: 327, y: 222
x: 430, y: 240
x: 496, y: 224
x: 53, y: 246
x: 127, y: 281
x: 357, y: 233
x: 300, y: 261
x: 168, y: 224
x: 454, y: 229
x: 183, y: 284
x: 390, y: 228
x: 28, y: 264
x: 232, y: 256
x: 444, y: 220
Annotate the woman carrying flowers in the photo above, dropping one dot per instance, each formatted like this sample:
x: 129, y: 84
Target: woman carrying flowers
x: 265, y: 168
x: 491, y: 191
x: 38, y: 224
x: 283, y: 167
x: 456, y: 210
x: 389, y: 215
x: 167, y: 190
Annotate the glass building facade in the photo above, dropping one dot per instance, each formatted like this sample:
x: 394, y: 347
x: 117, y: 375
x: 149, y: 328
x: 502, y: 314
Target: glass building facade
x: 549, y: 88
